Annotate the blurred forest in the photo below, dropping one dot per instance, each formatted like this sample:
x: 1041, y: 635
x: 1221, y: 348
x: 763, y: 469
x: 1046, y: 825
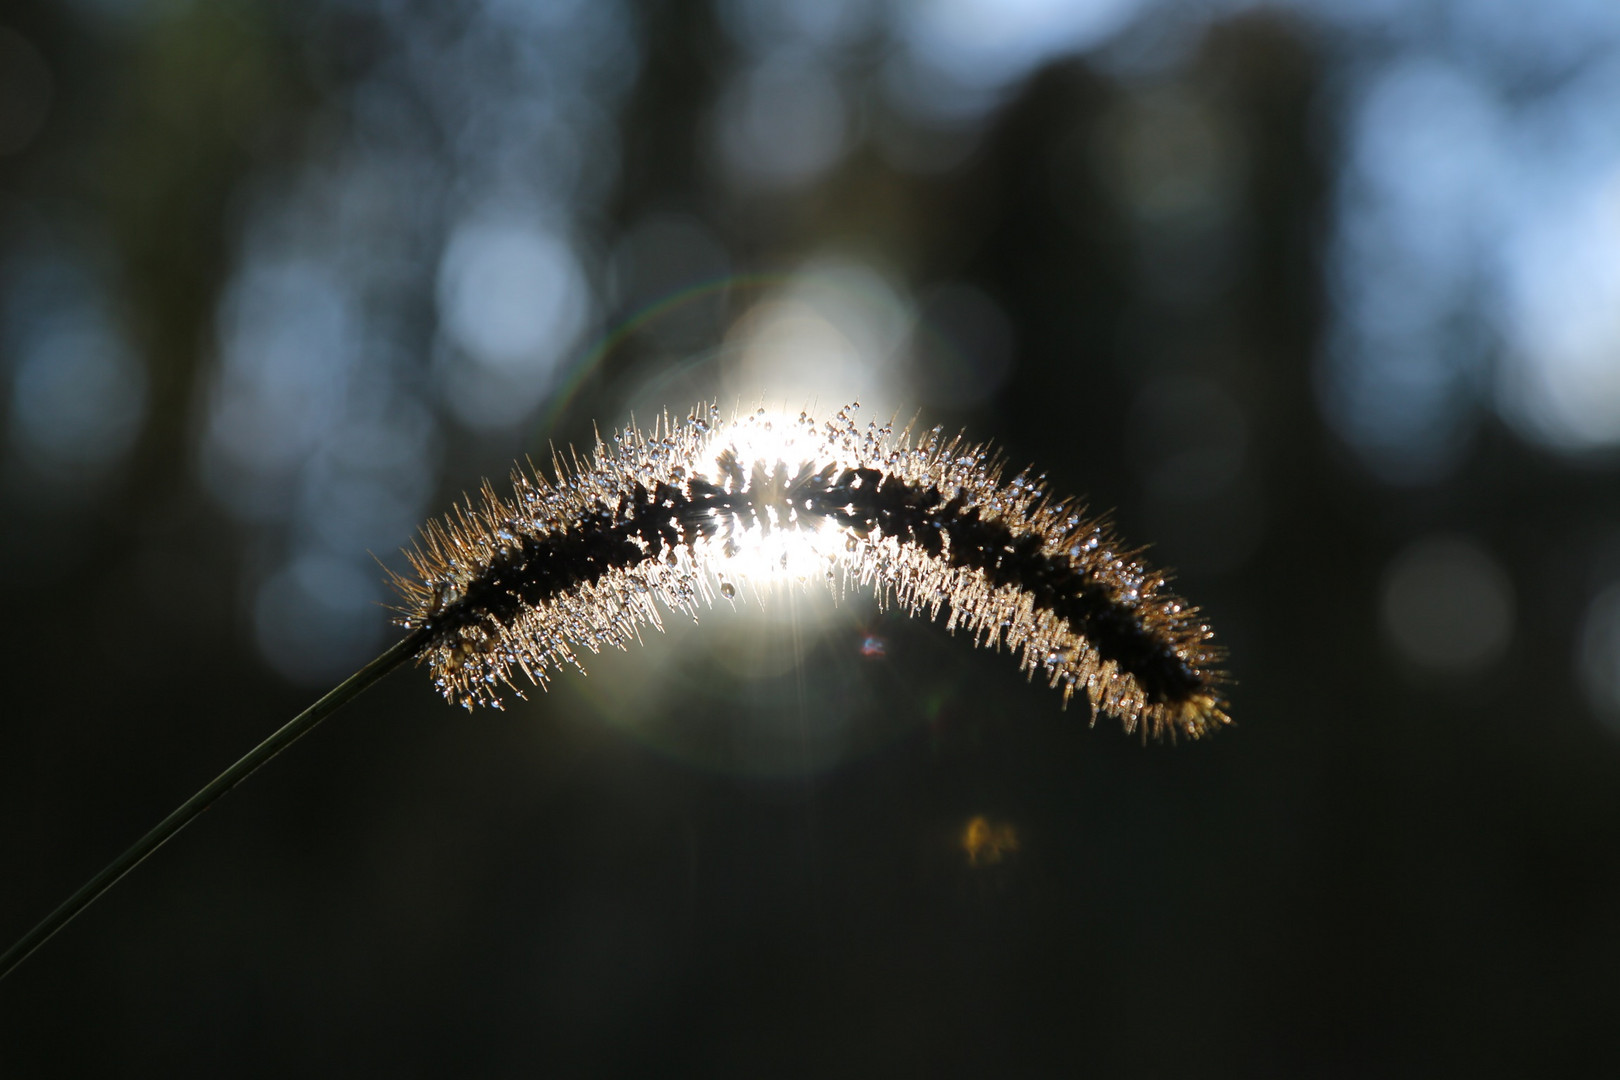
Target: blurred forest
x: 1320, y: 299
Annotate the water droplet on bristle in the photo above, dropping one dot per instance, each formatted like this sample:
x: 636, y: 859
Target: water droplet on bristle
x: 647, y: 523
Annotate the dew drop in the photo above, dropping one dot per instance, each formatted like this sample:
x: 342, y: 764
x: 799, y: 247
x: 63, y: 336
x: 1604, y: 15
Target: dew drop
x: 728, y: 590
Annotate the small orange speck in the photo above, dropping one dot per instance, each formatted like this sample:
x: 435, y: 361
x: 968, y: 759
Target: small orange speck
x: 987, y: 843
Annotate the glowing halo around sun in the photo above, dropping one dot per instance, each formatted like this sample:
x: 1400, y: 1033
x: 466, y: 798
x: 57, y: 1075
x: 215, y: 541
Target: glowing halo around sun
x: 781, y: 547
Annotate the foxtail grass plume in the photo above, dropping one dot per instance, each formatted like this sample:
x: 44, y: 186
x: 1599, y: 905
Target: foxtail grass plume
x: 668, y: 519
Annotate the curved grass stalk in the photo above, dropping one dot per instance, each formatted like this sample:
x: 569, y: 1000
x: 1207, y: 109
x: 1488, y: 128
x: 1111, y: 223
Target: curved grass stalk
x: 664, y: 521
x: 251, y: 762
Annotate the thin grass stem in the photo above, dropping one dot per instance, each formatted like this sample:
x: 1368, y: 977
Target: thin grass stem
x: 164, y: 831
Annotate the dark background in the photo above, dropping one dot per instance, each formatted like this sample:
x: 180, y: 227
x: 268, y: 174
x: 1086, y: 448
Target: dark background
x: 1317, y: 298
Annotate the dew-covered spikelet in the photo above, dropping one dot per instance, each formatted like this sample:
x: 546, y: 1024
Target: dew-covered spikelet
x: 664, y: 520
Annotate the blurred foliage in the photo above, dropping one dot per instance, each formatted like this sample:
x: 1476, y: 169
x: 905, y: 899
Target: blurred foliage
x: 1131, y: 254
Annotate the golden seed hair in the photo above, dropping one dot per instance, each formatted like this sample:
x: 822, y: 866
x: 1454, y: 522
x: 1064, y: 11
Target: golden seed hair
x: 664, y: 519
